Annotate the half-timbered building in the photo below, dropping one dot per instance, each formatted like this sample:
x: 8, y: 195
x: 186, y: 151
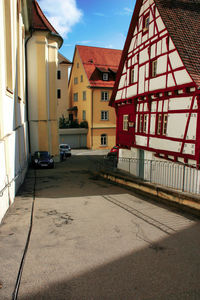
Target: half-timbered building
x: 156, y: 94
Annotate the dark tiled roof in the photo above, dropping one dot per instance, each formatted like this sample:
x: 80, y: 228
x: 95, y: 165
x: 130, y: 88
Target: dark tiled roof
x: 39, y: 21
x: 182, y: 19
x: 96, y: 60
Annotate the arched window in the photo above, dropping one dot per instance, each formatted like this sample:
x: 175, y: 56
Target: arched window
x: 104, y: 140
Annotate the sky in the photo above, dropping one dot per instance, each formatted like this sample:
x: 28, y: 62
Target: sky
x: 98, y: 23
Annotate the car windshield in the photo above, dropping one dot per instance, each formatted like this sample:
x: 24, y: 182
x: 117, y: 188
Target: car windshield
x: 64, y: 147
x: 39, y: 154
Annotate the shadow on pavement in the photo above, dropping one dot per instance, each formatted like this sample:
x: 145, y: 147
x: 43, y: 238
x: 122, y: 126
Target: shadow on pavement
x: 169, y: 270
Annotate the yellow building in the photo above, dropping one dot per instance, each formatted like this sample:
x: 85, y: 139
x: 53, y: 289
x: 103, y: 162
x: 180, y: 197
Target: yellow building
x: 28, y: 87
x: 90, y: 87
x: 62, y: 86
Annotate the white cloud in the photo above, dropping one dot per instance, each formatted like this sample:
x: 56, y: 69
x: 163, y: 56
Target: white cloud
x: 126, y: 11
x: 62, y: 14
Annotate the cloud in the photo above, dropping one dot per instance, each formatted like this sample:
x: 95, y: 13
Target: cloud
x: 126, y: 11
x: 62, y: 14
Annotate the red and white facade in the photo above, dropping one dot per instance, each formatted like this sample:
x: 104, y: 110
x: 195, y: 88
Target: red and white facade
x: 156, y: 99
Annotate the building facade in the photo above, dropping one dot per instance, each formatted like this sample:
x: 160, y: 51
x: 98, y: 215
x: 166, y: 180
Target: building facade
x: 156, y: 94
x: 90, y: 86
x: 28, y: 68
x: 62, y: 86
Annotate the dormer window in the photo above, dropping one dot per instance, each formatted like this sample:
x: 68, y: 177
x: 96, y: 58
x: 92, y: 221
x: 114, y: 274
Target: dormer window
x: 105, y: 76
x: 146, y: 23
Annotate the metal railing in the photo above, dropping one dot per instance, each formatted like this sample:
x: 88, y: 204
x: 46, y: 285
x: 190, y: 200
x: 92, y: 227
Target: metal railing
x: 169, y: 174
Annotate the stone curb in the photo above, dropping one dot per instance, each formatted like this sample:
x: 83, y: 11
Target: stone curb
x: 182, y: 200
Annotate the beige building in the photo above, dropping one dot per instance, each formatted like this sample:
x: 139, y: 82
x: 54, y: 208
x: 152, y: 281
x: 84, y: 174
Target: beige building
x: 28, y: 107
x: 62, y: 86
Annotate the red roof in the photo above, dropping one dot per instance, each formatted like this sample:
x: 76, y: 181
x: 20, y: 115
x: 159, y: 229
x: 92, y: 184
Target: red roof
x: 97, y: 60
x: 182, y: 19
x: 39, y: 21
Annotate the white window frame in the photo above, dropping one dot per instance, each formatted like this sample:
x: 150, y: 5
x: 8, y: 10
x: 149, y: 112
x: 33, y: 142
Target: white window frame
x: 104, y: 115
x: 105, y: 76
x: 125, y: 122
x: 104, y: 96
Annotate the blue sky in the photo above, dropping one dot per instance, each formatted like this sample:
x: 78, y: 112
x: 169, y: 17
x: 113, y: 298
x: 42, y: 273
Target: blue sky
x: 99, y: 23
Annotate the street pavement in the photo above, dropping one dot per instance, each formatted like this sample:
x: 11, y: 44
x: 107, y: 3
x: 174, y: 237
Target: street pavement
x: 94, y: 240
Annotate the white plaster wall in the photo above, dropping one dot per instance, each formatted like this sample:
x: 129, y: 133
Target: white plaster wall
x: 175, y: 60
x: 178, y: 120
x: 131, y: 90
x: 191, y: 134
x: 157, y: 83
x: 162, y: 64
x: 141, y: 140
x: 182, y: 77
x: 122, y: 81
x: 163, y: 144
x: 180, y: 103
x: 153, y: 124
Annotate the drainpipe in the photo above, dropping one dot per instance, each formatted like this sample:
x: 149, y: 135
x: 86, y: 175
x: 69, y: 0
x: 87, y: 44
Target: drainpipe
x: 92, y: 118
x: 26, y: 90
x: 48, y: 104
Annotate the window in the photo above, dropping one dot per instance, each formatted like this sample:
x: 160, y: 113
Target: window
x: 77, y: 65
x: 104, y: 140
x: 165, y: 117
x: 162, y: 124
x: 58, y: 74
x: 75, y: 97
x: 84, y: 95
x: 125, y: 122
x: 153, y: 68
x: 81, y: 78
x: 104, y: 115
x: 146, y: 23
x: 105, y: 76
x: 142, y: 123
x: 104, y: 96
x: 145, y: 123
x: 58, y: 93
x: 75, y: 80
x: 159, y: 124
x: 132, y: 76
x: 84, y: 115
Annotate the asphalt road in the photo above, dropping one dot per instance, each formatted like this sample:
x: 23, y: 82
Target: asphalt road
x: 93, y: 240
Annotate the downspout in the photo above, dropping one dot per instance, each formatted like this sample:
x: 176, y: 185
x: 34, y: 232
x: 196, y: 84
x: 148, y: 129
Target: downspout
x: 48, y: 104
x: 92, y: 118
x: 26, y: 90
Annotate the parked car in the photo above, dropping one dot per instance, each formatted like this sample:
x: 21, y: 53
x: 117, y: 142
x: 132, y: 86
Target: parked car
x: 42, y: 159
x: 66, y: 149
x: 113, y: 152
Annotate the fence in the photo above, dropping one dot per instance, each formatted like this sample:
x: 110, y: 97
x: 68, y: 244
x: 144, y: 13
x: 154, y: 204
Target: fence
x: 174, y: 175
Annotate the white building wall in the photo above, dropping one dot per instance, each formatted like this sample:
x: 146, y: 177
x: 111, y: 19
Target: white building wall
x: 13, y: 124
